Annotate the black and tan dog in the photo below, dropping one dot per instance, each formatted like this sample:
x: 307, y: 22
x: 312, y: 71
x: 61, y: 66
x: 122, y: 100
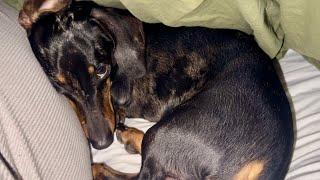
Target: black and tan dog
x: 222, y: 111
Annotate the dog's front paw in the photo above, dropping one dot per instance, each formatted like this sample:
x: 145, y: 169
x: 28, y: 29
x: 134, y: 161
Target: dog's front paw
x: 121, y: 91
x: 131, y: 138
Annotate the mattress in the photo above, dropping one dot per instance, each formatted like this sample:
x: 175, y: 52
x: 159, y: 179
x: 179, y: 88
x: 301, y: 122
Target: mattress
x: 303, y: 82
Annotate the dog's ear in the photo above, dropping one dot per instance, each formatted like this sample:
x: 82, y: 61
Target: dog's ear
x: 128, y: 36
x: 32, y: 9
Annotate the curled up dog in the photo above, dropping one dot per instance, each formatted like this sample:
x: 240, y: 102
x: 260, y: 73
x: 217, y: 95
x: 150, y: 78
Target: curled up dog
x: 220, y: 108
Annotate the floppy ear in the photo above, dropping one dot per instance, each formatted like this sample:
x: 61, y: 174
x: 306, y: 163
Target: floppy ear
x: 128, y: 36
x: 32, y: 9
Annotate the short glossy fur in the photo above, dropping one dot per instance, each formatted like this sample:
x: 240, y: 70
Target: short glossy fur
x: 241, y: 116
x: 71, y: 46
x: 218, y: 100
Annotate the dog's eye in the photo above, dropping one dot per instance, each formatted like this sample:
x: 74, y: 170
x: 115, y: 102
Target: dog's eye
x: 103, y: 70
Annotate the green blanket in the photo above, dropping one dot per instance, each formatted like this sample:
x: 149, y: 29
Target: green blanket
x: 276, y: 24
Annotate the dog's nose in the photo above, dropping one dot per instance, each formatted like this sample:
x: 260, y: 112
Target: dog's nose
x: 101, y: 142
x: 99, y: 131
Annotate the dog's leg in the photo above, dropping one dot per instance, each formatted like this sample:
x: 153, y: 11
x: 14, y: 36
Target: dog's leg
x: 131, y: 138
x: 120, y: 116
x: 121, y: 90
x: 101, y: 171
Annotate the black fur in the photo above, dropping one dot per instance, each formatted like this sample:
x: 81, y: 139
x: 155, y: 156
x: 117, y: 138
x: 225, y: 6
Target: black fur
x: 67, y: 43
x: 242, y: 115
x: 215, y: 94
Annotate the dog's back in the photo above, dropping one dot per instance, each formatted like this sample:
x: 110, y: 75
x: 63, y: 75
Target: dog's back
x: 239, y: 127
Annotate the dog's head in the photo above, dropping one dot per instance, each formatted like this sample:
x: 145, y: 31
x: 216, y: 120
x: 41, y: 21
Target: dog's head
x: 77, y: 51
x: 126, y: 30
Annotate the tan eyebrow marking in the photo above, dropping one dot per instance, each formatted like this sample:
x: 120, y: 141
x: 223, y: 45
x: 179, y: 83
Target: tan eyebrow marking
x: 61, y: 78
x: 91, y: 69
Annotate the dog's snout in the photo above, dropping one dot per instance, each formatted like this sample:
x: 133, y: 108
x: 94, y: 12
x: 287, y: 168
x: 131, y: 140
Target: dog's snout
x: 101, y: 142
x: 100, y: 133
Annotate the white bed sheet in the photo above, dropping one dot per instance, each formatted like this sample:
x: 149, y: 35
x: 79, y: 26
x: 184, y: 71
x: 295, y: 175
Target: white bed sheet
x: 303, y: 81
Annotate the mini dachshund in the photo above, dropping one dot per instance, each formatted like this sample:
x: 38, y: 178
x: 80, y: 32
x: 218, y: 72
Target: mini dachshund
x: 220, y: 108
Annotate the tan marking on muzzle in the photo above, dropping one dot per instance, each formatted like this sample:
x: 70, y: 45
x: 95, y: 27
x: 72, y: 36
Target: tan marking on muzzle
x: 81, y: 117
x: 108, y: 111
x: 250, y: 171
